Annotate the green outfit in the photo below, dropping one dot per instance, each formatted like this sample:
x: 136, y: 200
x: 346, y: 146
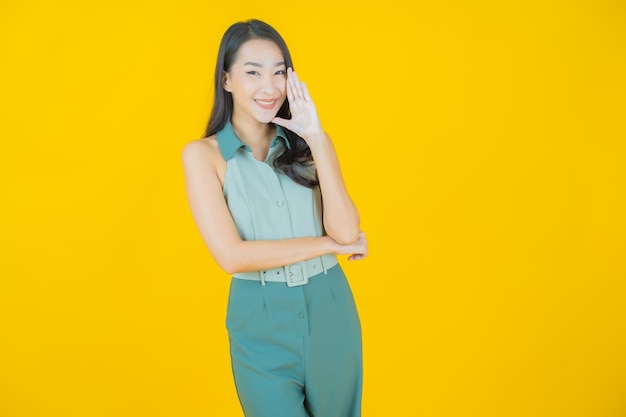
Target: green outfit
x: 295, y: 350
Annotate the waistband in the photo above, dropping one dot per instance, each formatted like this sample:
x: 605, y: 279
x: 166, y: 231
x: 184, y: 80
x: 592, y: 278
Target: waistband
x: 292, y: 274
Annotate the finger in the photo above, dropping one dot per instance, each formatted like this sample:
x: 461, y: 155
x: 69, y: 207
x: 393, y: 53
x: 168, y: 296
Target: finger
x: 297, y: 86
x: 306, y: 94
x: 291, y: 84
x: 289, y: 87
x: 282, y: 122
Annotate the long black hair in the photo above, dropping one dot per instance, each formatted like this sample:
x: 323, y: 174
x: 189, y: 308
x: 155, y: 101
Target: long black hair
x: 297, y: 160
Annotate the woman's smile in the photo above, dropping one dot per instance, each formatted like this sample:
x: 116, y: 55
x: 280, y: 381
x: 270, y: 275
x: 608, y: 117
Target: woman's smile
x: 266, y: 104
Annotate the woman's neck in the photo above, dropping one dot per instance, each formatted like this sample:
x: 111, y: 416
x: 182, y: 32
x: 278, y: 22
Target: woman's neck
x: 253, y: 132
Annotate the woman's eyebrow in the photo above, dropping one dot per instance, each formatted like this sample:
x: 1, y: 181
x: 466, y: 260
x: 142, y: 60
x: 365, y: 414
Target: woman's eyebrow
x: 256, y: 64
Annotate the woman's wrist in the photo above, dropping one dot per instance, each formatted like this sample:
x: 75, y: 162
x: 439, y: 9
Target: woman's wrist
x: 315, y: 139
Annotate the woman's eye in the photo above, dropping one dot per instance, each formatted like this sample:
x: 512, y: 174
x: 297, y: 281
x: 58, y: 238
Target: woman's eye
x: 280, y: 72
x: 252, y: 72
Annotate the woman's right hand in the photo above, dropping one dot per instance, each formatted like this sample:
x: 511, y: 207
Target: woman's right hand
x: 357, y: 250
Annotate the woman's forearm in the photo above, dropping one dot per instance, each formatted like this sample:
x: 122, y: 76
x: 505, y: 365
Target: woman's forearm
x: 341, y: 217
x: 255, y: 255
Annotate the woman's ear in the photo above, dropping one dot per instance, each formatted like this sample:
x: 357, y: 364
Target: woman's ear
x: 226, y: 81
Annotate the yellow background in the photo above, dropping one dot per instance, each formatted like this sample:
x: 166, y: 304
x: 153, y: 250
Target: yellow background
x: 483, y: 142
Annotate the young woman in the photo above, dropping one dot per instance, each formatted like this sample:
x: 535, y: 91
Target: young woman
x: 255, y: 186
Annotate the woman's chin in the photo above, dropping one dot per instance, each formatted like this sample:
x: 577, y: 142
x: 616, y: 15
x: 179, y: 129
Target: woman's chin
x: 265, y: 118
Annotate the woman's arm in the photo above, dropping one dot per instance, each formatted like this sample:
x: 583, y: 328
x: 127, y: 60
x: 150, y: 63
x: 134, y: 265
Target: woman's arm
x: 340, y: 215
x: 218, y: 231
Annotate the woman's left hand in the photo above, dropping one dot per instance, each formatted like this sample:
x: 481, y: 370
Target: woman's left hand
x: 304, y: 120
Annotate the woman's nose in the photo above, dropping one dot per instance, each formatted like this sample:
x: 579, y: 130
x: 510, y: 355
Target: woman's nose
x: 270, y: 85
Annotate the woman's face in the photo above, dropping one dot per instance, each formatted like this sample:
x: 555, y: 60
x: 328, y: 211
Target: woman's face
x: 257, y: 80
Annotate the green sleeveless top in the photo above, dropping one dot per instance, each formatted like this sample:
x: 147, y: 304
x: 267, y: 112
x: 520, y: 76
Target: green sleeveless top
x: 265, y: 203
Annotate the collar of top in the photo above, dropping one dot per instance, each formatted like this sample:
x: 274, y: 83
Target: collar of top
x: 229, y: 143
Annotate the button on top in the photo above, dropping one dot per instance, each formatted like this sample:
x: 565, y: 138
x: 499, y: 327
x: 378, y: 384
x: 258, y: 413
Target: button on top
x: 280, y: 203
x: 301, y: 315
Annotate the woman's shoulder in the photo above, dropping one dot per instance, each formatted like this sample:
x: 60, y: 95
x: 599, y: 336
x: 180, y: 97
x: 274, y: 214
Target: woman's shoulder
x: 208, y: 144
x: 203, y: 149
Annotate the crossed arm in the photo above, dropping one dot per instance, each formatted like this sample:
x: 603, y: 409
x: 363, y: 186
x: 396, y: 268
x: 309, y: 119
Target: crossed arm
x: 340, y: 215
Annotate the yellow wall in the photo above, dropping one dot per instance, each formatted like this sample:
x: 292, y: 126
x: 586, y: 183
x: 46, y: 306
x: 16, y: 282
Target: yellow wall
x: 484, y: 143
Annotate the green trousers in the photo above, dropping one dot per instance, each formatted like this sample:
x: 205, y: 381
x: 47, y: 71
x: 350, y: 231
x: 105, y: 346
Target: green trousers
x: 296, y: 351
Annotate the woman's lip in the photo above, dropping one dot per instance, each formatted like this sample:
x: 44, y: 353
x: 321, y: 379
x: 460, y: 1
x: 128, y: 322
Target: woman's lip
x: 266, y: 104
